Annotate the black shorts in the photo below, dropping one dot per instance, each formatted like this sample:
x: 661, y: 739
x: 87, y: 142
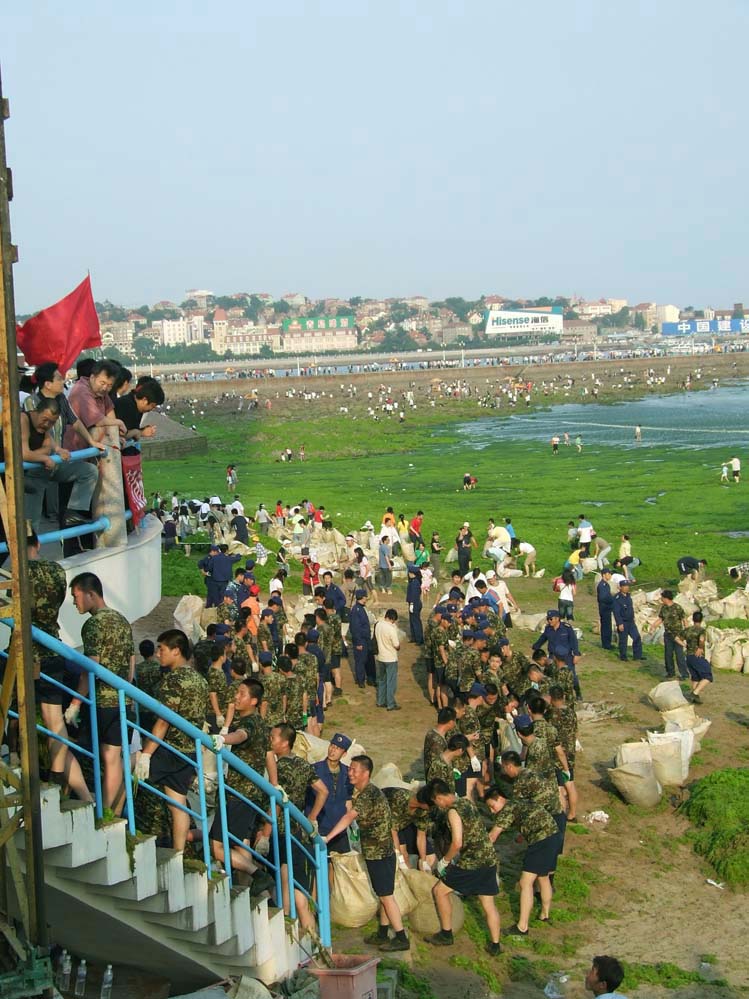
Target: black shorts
x: 241, y: 819
x: 439, y: 675
x: 382, y: 875
x: 478, y: 881
x: 407, y: 837
x: 46, y: 692
x: 299, y: 859
x: 699, y: 668
x: 561, y: 820
x: 558, y: 774
x: 108, y: 724
x: 541, y: 857
x: 169, y: 770
x: 339, y: 843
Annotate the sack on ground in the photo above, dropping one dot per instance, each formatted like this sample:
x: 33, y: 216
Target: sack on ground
x: 683, y: 718
x: 637, y: 784
x: 352, y: 901
x: 672, y: 752
x: 423, y: 917
x: 187, y: 615
x: 633, y: 752
x: 667, y: 695
x: 403, y: 895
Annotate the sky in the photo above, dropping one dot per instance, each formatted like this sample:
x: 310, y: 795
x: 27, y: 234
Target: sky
x: 378, y: 149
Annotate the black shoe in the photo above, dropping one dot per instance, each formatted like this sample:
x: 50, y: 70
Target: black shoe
x: 360, y: 686
x: 396, y: 944
x: 371, y: 683
x: 515, y: 931
x: 623, y: 659
x: 337, y: 692
x: 442, y: 939
x: 493, y: 949
x: 395, y: 707
x: 375, y: 940
x: 76, y: 518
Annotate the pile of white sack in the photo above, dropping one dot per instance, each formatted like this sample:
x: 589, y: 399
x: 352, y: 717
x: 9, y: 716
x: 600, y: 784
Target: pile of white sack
x: 644, y: 768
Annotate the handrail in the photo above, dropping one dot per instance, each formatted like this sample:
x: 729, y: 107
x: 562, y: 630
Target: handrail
x: 201, y: 739
x: 86, y: 452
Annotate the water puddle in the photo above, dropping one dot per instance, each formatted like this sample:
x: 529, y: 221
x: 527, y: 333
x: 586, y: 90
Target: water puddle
x: 652, y: 500
x: 736, y: 534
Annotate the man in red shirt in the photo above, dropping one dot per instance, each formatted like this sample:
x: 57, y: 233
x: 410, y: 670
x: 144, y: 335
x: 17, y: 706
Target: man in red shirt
x: 90, y: 401
x: 414, y: 529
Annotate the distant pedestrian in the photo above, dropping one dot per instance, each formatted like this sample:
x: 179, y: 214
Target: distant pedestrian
x: 638, y: 434
x: 624, y: 615
x: 555, y: 444
x: 605, y: 600
x: 724, y: 473
x: 735, y: 464
x: 386, y: 662
x: 579, y: 444
x: 566, y: 439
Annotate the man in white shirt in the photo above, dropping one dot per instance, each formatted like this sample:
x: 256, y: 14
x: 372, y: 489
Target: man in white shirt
x: 386, y: 662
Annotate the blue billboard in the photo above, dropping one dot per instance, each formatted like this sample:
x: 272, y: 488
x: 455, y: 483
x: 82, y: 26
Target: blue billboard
x: 688, y: 327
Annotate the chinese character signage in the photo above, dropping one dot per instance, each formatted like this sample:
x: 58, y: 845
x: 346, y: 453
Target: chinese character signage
x: 521, y: 324
x: 689, y: 327
x: 311, y: 323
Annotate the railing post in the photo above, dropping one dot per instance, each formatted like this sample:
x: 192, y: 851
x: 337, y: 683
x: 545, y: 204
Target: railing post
x: 95, y: 762
x: 109, y: 499
x: 126, y: 771
x: 289, y: 860
x: 221, y: 809
x: 202, y: 805
x: 323, y: 894
x: 273, y: 812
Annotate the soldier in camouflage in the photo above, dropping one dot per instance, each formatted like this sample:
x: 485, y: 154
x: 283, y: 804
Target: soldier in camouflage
x: 700, y: 671
x: 378, y: 842
x: 672, y: 616
x: 108, y: 640
x: 296, y: 695
x: 539, y: 830
x: 185, y: 692
x: 563, y: 716
x: 273, y: 706
x: 295, y: 776
x: 514, y: 666
x: 469, y: 865
x: 265, y: 641
x: 435, y: 741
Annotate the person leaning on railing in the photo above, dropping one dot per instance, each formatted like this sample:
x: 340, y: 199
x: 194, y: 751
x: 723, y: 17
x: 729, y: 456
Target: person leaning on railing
x: 89, y: 399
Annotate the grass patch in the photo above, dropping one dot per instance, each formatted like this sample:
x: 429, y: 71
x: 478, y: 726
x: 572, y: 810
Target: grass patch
x: 719, y: 808
x: 731, y: 622
x: 408, y: 981
x: 665, y: 975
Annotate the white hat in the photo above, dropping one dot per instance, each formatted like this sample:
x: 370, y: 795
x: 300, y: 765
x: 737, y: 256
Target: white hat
x: 491, y: 574
x: 466, y: 524
x: 215, y: 501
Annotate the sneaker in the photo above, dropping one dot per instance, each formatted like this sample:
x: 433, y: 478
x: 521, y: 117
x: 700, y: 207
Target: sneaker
x: 395, y: 943
x: 442, y: 939
x: 375, y: 940
x: 696, y: 699
x: 493, y: 949
x: 515, y: 931
x: 395, y: 707
x: 337, y: 692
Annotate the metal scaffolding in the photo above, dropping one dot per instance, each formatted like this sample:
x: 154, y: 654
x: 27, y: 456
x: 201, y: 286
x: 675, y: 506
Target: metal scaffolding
x: 24, y: 964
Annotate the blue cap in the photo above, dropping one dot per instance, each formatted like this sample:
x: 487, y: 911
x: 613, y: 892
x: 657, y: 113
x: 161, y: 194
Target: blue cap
x: 312, y: 635
x: 222, y: 628
x: 523, y: 721
x: 266, y: 658
x: 250, y: 563
x: 467, y: 612
x: 503, y: 643
x: 360, y: 594
x: 606, y: 568
x: 214, y: 548
x: 477, y: 690
x: 467, y: 633
x: 267, y: 612
x: 623, y: 582
x: 275, y: 600
x: 551, y: 613
x: 341, y: 740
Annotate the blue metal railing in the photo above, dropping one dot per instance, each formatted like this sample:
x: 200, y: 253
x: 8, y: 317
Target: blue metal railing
x: 224, y: 759
x: 86, y: 452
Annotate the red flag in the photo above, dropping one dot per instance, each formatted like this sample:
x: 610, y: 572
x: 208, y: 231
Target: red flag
x: 62, y: 331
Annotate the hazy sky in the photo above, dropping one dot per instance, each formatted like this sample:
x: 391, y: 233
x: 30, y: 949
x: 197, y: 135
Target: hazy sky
x: 350, y: 148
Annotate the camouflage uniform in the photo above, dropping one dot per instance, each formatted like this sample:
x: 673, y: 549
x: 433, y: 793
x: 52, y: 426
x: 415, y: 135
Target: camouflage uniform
x: 434, y: 745
x: 325, y: 640
x: 295, y: 775
x: 534, y: 822
x: 543, y: 729
x: 201, y: 655
x: 401, y: 815
x: 540, y: 758
x: 107, y: 636
x: 439, y: 640
x: 148, y: 677
x: 185, y: 692
x: 565, y: 722
x: 543, y: 791
x: 468, y: 725
x: 227, y: 614
x: 241, y: 656
x: 694, y: 636
x: 294, y: 700
x: 477, y: 850
x: 470, y: 668
x: 444, y: 771
x: 264, y: 637
x: 252, y: 752
x: 562, y: 677
x: 336, y: 639
x: 306, y: 667
x: 48, y: 589
x: 274, y: 688
x: 514, y: 670
x: 672, y: 617
x: 281, y: 619
x: 496, y: 624
x: 375, y: 823
x: 217, y: 685
x: 487, y: 715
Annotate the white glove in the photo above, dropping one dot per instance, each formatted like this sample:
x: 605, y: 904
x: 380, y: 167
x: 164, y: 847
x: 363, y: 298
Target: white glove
x: 220, y: 721
x: 72, y: 713
x: 142, y: 766
x: 442, y: 866
x: 262, y: 846
x: 225, y: 730
x: 425, y: 866
x: 476, y: 764
x: 315, y: 827
x: 410, y: 608
x: 284, y: 795
x: 218, y: 743
x: 402, y: 862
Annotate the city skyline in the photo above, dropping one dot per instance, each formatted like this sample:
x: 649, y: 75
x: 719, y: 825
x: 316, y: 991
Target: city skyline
x: 361, y: 150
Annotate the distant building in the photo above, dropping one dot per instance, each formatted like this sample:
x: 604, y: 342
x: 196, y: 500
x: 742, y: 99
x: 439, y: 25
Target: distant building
x: 666, y: 314
x: 315, y: 334
x: 180, y: 332
x: 119, y: 335
x: 295, y: 300
x: 450, y: 332
x: 648, y: 311
x: 199, y: 296
x: 578, y: 331
x: 617, y: 304
x: 594, y: 310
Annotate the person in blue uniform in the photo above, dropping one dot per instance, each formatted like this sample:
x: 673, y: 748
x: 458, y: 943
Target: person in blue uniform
x: 605, y: 606
x: 624, y: 615
x: 217, y: 571
x: 361, y: 636
x: 334, y: 776
x: 562, y: 641
x: 333, y: 592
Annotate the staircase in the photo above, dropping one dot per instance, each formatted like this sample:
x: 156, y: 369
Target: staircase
x: 112, y: 899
